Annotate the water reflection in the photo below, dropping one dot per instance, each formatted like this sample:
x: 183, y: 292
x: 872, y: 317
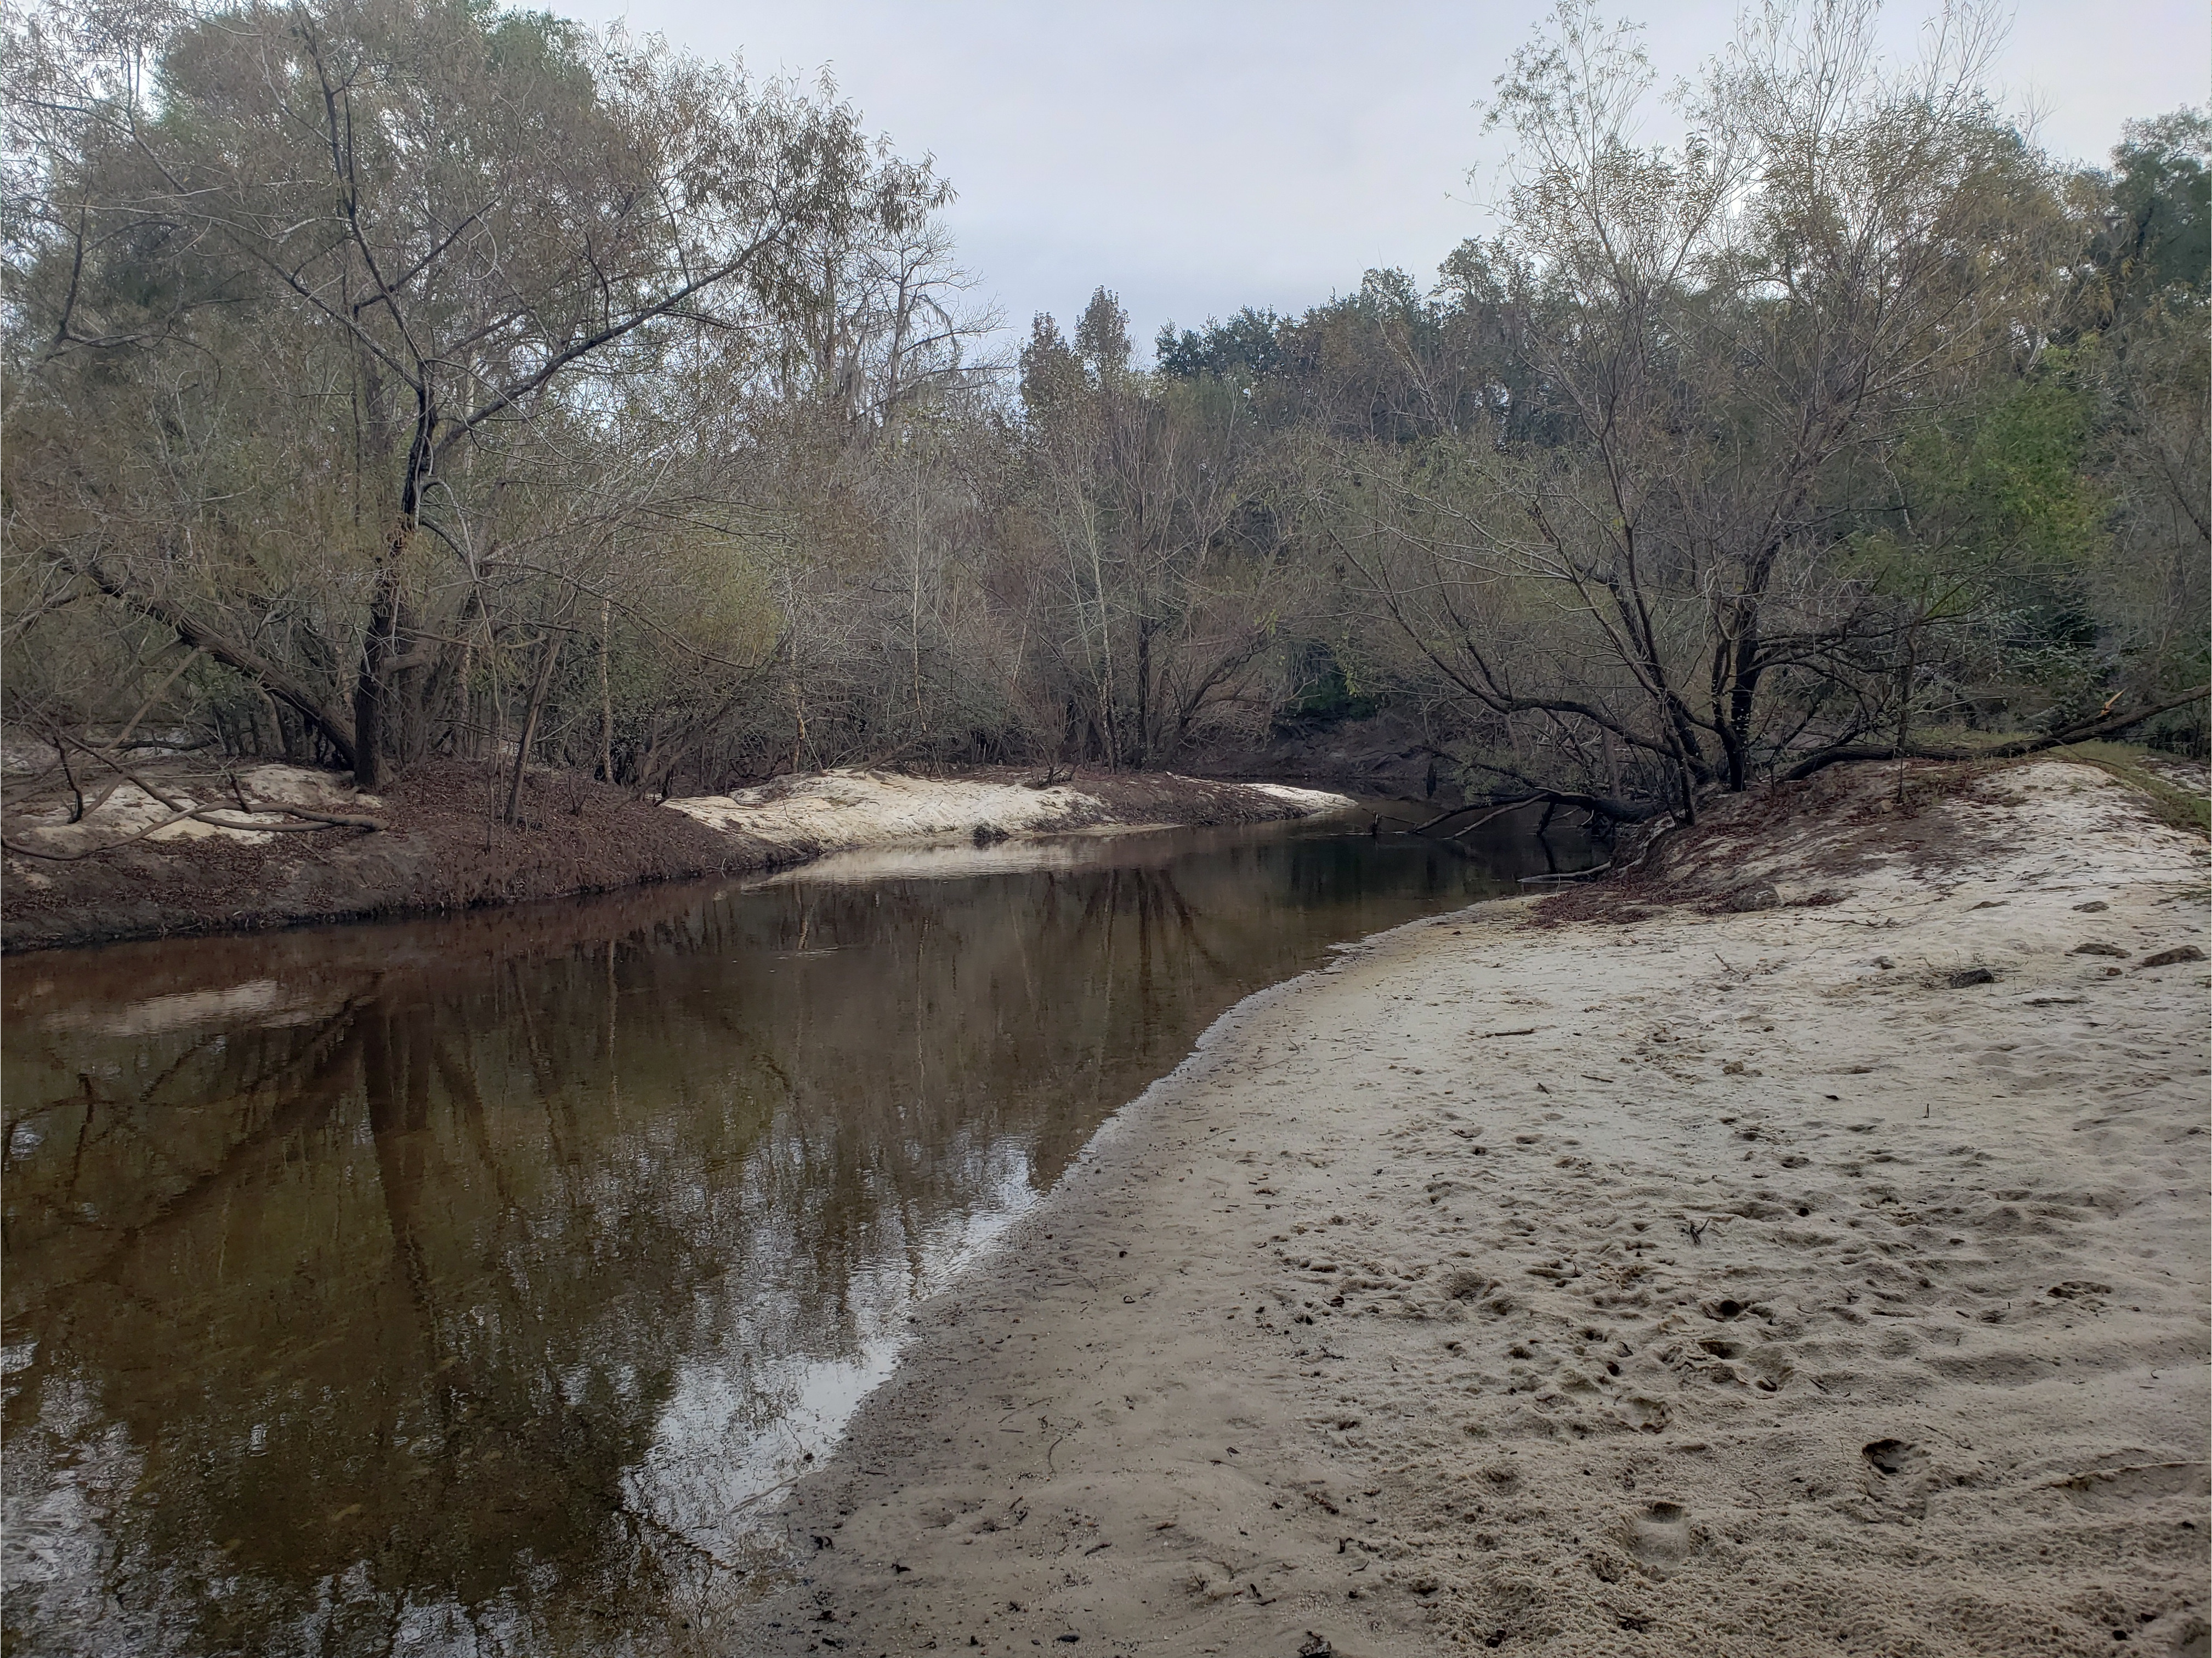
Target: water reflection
x: 469, y: 1286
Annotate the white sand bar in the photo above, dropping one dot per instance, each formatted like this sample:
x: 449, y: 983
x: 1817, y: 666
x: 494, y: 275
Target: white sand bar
x: 1703, y: 1282
x: 846, y: 810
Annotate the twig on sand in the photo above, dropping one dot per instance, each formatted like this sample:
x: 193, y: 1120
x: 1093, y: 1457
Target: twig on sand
x: 1571, y: 875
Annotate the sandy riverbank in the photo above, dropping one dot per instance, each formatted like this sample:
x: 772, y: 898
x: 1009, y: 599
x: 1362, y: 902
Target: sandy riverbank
x: 182, y: 850
x: 1652, y: 1271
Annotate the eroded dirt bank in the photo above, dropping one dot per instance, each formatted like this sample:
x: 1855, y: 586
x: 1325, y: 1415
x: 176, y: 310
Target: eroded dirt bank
x: 183, y: 851
x: 1689, y: 1268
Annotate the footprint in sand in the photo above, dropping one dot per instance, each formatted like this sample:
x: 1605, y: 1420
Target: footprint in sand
x: 1892, y: 1457
x: 1897, y: 1475
x: 2127, y: 1490
x: 1660, y: 1537
x: 2083, y: 1290
x: 1463, y: 1285
x: 1768, y: 1367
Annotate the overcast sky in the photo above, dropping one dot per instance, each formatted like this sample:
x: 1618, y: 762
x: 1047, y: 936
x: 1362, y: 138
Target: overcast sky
x: 1202, y: 155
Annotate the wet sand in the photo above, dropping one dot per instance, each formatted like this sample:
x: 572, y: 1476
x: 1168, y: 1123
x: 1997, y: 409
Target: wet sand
x: 1830, y: 1275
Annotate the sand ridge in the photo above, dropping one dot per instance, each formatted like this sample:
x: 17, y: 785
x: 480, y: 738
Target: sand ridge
x: 1818, y: 1277
x: 853, y: 808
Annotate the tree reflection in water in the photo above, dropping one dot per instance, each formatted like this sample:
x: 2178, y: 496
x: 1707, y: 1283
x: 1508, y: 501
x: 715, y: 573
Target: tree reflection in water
x: 471, y: 1285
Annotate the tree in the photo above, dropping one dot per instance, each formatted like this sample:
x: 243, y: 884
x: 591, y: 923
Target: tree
x: 460, y: 226
x: 1170, y: 573
x: 2155, y: 241
x: 1738, y: 332
x: 2142, y: 364
x: 390, y: 379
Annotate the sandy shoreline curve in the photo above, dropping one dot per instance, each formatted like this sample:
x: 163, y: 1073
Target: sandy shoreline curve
x: 1802, y: 1250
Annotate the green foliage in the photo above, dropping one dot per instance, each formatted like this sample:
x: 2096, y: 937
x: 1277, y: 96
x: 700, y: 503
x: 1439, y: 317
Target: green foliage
x: 2156, y: 245
x: 1324, y: 694
x: 1247, y: 348
x: 2023, y: 488
x: 1101, y: 337
x: 1997, y: 532
x: 1051, y: 372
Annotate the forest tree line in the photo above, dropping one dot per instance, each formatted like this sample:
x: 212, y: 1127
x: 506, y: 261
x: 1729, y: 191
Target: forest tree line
x: 388, y: 379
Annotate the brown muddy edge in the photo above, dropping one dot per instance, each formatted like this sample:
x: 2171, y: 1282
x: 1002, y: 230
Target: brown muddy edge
x: 445, y: 851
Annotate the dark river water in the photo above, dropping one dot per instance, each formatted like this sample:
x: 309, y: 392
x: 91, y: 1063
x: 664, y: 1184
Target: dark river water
x: 476, y: 1285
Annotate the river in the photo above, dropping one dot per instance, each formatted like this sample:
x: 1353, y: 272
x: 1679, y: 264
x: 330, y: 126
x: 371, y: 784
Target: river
x: 479, y: 1285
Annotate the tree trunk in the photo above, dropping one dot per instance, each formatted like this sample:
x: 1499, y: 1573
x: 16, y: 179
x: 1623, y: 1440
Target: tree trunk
x: 606, y: 697
x: 1144, y: 695
x: 370, y: 683
x: 554, y: 641
x: 372, y: 686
